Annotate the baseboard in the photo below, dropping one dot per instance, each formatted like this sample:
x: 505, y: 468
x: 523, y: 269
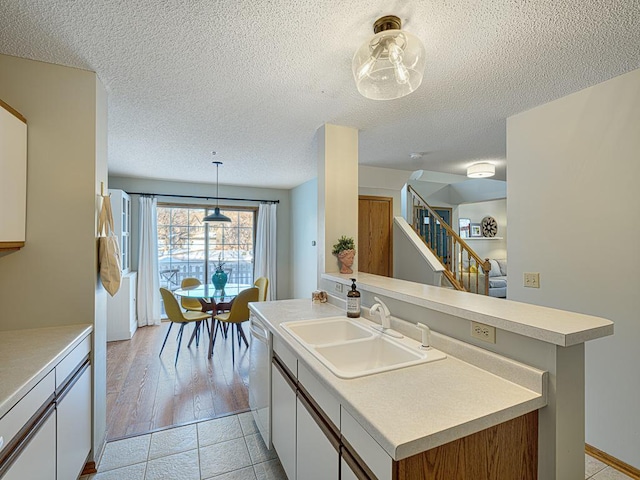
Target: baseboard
x: 89, y: 469
x: 612, y: 462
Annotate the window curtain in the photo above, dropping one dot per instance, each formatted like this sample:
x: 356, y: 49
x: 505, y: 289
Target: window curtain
x: 265, y: 260
x: 148, y: 278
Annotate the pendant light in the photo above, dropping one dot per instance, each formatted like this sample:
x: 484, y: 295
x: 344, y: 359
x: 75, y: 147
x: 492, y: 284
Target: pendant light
x: 216, y: 216
x: 391, y: 64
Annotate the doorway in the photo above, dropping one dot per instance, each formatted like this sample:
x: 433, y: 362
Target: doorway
x: 375, y: 240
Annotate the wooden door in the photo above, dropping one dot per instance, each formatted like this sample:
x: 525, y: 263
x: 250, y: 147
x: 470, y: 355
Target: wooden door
x: 375, y: 240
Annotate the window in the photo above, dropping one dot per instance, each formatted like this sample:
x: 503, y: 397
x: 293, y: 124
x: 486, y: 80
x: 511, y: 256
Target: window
x: 188, y: 247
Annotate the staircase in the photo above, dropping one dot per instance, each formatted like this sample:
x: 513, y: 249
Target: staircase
x: 463, y: 268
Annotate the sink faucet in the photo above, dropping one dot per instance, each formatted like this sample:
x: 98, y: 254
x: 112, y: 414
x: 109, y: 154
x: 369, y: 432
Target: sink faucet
x: 383, y: 312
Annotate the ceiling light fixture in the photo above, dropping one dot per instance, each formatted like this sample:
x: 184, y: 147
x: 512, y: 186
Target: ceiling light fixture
x: 481, y: 170
x: 216, y: 216
x: 391, y: 64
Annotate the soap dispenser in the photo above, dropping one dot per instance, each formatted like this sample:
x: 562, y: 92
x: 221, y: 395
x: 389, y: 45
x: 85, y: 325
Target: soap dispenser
x: 353, y: 301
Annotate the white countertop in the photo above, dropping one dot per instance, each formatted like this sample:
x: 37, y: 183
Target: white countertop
x: 27, y: 356
x: 410, y: 410
x: 549, y: 325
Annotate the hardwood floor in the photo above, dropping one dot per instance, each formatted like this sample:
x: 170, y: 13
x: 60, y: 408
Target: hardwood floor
x: 146, y: 392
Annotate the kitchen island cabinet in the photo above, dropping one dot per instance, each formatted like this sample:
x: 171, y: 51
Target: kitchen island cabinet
x: 392, y: 425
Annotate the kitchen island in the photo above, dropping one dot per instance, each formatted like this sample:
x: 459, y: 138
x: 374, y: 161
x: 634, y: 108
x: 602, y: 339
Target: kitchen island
x: 416, y: 409
x: 422, y: 408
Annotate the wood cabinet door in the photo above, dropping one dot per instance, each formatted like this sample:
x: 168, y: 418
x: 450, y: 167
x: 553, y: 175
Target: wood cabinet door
x: 375, y: 244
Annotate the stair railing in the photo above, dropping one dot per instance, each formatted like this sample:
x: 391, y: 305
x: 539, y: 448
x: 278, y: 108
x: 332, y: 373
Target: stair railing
x: 462, y: 266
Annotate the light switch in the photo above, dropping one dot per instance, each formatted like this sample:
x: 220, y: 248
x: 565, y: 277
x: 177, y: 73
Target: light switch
x: 532, y: 280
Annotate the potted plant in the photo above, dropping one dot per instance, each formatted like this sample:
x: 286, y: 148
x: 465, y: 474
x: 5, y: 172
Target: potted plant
x: 345, y: 250
x: 219, y: 277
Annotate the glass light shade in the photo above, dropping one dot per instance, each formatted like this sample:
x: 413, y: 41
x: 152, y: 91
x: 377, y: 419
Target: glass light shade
x: 216, y: 216
x: 481, y: 170
x: 389, y: 66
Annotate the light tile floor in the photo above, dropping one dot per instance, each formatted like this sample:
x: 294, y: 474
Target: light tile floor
x: 596, y: 470
x: 228, y: 448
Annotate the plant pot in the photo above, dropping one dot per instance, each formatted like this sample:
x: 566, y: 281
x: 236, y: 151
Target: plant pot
x: 219, y: 279
x: 346, y: 258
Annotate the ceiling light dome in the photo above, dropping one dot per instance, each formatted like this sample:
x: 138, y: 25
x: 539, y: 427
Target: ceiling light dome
x: 391, y: 64
x: 481, y: 170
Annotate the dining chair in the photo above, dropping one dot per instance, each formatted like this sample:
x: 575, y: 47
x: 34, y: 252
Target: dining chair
x: 263, y: 284
x: 239, y: 313
x: 176, y: 315
x: 194, y: 305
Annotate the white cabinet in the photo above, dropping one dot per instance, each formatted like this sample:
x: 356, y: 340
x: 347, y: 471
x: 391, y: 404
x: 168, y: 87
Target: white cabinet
x: 73, y: 413
x: 47, y: 434
x: 345, y: 471
x: 122, y: 320
x: 283, y: 416
x: 38, y: 459
x: 121, y: 207
x: 316, y: 457
x: 13, y: 178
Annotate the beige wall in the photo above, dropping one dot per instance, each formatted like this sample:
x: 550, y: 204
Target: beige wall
x: 52, y: 280
x: 574, y: 217
x: 337, y: 192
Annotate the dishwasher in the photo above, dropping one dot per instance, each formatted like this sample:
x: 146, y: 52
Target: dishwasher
x: 260, y: 377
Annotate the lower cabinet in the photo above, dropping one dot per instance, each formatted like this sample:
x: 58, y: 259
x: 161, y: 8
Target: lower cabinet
x: 317, y: 457
x: 345, y: 471
x: 48, y: 432
x: 283, y: 419
x: 74, y: 426
x: 37, y: 461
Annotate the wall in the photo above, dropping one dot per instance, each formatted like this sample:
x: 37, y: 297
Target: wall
x: 203, y: 189
x: 476, y: 212
x: 337, y: 192
x: 412, y: 259
x: 53, y: 279
x: 573, y: 211
x: 383, y: 182
x: 304, y: 231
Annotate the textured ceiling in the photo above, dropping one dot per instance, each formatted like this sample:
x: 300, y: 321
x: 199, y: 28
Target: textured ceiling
x: 254, y: 80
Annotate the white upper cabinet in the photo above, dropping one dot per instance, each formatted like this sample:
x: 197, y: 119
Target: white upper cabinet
x: 13, y: 178
x: 121, y: 207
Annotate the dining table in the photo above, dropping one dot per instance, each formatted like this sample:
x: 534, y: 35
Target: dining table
x: 212, y: 300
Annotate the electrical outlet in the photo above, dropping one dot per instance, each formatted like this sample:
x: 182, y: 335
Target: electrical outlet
x: 338, y: 287
x: 483, y: 332
x: 532, y: 280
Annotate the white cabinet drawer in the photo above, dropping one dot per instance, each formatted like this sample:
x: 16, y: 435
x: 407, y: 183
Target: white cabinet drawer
x: 325, y: 400
x: 69, y: 363
x: 286, y: 355
x: 38, y: 459
x: 19, y: 415
x: 376, y: 458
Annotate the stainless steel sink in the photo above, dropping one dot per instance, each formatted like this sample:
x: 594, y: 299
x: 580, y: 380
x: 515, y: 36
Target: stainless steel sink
x: 351, y: 348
